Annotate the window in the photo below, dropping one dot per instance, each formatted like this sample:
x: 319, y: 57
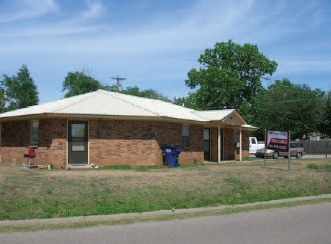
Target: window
x: 186, y: 136
x: 78, y: 130
x: 34, y: 127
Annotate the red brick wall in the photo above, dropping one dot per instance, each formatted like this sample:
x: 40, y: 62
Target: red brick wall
x: 124, y: 142
x: 113, y: 142
x: 14, y: 141
x: 110, y: 142
x: 227, y: 144
x: 52, y: 148
x: 229, y: 147
x: 245, y: 146
x: 139, y: 142
x: 195, y: 151
x: 230, y: 150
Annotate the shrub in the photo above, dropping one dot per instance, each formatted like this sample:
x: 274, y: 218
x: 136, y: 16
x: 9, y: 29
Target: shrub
x: 312, y: 166
x: 117, y: 166
x: 326, y: 167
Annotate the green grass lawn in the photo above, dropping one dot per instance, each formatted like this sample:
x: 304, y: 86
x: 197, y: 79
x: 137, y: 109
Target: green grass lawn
x: 29, y: 194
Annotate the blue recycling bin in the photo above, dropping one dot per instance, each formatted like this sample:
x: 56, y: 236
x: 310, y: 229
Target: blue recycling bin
x: 171, y: 153
x: 178, y: 149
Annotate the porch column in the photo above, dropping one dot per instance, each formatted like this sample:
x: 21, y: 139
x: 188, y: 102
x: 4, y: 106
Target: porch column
x: 219, y: 144
x: 240, y: 145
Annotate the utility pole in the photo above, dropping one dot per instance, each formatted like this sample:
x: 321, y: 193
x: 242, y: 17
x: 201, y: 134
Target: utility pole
x: 118, y: 82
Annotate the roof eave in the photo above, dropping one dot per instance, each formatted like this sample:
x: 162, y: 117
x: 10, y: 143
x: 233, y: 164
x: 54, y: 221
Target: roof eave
x: 98, y: 116
x: 250, y: 127
x: 234, y: 113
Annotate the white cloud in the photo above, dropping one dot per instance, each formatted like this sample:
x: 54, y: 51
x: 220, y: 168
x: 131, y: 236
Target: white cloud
x: 199, y: 27
x: 95, y: 9
x: 26, y: 9
x: 160, y: 45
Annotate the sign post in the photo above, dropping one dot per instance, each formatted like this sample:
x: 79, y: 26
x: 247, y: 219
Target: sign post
x: 289, y: 153
x: 265, y: 147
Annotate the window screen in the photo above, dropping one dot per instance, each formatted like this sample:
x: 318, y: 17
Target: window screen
x: 34, y: 128
x: 186, y: 136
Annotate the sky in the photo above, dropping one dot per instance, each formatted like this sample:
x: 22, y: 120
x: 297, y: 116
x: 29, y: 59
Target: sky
x: 153, y: 44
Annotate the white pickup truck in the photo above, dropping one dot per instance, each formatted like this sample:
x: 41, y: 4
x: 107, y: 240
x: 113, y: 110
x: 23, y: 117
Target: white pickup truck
x: 254, y: 145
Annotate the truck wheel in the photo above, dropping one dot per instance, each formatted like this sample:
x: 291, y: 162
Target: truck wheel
x: 298, y: 155
x: 275, y: 155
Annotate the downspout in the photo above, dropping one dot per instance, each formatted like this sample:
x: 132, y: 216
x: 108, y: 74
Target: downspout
x: 219, y: 143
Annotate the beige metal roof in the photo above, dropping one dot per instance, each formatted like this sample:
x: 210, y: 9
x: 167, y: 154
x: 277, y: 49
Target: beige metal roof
x: 250, y: 127
x: 105, y: 103
x: 215, y: 115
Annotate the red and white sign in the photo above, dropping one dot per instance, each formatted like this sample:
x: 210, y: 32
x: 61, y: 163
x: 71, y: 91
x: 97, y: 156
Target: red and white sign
x: 277, y: 140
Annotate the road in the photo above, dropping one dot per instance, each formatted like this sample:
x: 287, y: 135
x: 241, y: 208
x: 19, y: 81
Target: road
x: 304, y: 224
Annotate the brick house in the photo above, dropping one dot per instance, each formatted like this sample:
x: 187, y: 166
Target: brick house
x: 108, y: 128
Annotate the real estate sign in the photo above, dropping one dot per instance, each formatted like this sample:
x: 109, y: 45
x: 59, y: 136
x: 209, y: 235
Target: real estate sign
x: 277, y: 140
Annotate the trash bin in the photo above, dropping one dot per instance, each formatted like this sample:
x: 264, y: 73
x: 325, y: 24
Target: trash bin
x: 178, y: 150
x: 170, y: 154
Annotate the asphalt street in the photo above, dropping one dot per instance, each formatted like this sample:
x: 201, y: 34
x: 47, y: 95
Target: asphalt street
x: 304, y: 224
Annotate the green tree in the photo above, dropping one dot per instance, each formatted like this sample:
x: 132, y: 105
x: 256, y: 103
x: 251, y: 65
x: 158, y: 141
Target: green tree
x: 18, y: 91
x: 325, y: 125
x: 2, y: 100
x: 150, y: 93
x: 188, y: 102
x: 289, y: 107
x: 132, y: 90
x: 79, y: 83
x: 112, y: 88
x: 230, y: 76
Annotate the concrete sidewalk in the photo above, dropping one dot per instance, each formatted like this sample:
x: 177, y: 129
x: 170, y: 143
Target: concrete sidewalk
x: 151, y: 214
x: 316, y: 156
x: 306, y: 156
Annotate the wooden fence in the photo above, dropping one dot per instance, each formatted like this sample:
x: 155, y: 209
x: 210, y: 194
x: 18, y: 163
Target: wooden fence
x: 317, y: 147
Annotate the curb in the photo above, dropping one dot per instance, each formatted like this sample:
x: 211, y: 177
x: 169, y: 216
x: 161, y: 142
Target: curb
x: 151, y: 214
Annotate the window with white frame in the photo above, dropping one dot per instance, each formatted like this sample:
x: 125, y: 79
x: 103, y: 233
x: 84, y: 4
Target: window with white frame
x: 34, y: 128
x: 185, y: 136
